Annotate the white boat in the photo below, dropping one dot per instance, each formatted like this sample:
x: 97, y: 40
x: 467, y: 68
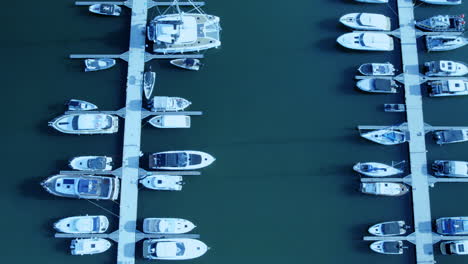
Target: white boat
x: 376, y: 85
x: 163, y: 182
x: 377, y: 69
x: 445, y: 68
x: 89, y: 246
x: 366, y: 21
x: 188, y: 64
x: 83, y: 186
x: 452, y: 226
x: 165, y: 103
x: 173, y: 248
x: 89, y: 224
x: 180, y: 160
x: 375, y: 169
x: 445, y: 42
x: 385, y: 136
x: 451, y: 136
x: 149, y: 79
x: 448, y: 88
x: 105, y: 9
x: 443, y: 23
x: 457, y: 247
x: 80, y: 105
x: 450, y: 168
x: 167, y: 226
x: 91, y: 163
x: 98, y: 64
x: 86, y: 124
x: 372, y: 1
x: 443, y: 2
x: 170, y: 121
x: 366, y: 41
x: 387, y: 247
x: 392, y: 228
x: 384, y: 188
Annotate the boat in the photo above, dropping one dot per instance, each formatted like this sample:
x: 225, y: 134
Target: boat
x: 384, y: 188
x: 83, y: 186
x: 89, y: 224
x: 89, y: 246
x: 86, y: 124
x: 165, y: 103
x: 188, y: 64
x: 80, y: 105
x: 451, y: 136
x: 444, y: 42
x: 180, y: 160
x: 452, y: 225
x: 388, y: 247
x: 149, y: 79
x: 372, y: 1
x: 450, y: 168
x: 397, y: 108
x: 392, y: 228
x: 105, y: 9
x: 98, y: 64
x: 458, y: 247
x: 443, y: 2
x: 375, y: 169
x: 91, y: 163
x: 163, y: 182
x: 376, y: 85
x: 173, y: 248
x: 448, y: 88
x: 445, y: 68
x: 443, y: 23
x: 167, y: 226
x: 366, y: 21
x: 366, y: 41
x: 170, y: 121
x: 377, y: 69
x: 385, y: 136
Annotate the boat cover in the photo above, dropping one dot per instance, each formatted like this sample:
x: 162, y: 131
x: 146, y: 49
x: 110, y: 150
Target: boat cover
x: 452, y: 135
x: 392, y: 228
x: 194, y: 159
x: 98, y: 163
x: 171, y: 159
x: 391, y: 246
x: 382, y: 85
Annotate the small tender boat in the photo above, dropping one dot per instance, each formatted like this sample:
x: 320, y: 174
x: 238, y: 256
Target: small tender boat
x: 170, y: 121
x: 366, y: 21
x: 149, y: 79
x: 444, y: 42
x: 443, y: 23
x: 180, y: 160
x: 377, y: 69
x: 83, y: 186
x: 82, y: 224
x: 450, y: 168
x: 366, y: 41
x: 80, y: 105
x: 91, y: 163
x: 385, y: 136
x: 446, y: 68
x: 443, y: 2
x: 188, y: 64
x: 384, y: 188
x: 388, y: 247
x: 457, y: 247
x: 452, y: 225
x: 86, y: 124
x: 105, y: 9
x: 165, y: 103
x: 173, y: 248
x: 451, y: 136
x: 394, y: 108
x: 375, y: 169
x: 163, y: 182
x: 373, y: 1
x: 448, y: 88
x: 392, y: 228
x: 98, y: 64
x: 376, y: 85
x: 167, y: 226
x: 89, y: 246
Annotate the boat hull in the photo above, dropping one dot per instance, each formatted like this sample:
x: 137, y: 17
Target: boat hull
x: 205, y: 160
x: 167, y: 226
x: 67, y: 186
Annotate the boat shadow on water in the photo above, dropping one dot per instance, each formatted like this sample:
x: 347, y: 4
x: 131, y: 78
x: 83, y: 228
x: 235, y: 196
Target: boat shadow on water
x: 32, y: 188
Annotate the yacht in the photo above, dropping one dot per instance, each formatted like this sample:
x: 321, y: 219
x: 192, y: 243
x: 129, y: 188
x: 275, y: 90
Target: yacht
x: 89, y: 246
x: 388, y: 247
x: 444, y: 42
x: 366, y: 21
x: 83, y: 186
x: 149, y: 79
x: 167, y: 226
x: 446, y: 68
x: 173, y: 248
x: 452, y: 225
x: 98, y: 64
x: 443, y: 23
x: 366, y: 41
x: 86, y: 124
x: 451, y: 136
x: 375, y: 169
x: 170, y: 121
x: 89, y: 224
x: 180, y: 160
x: 448, y: 88
x: 165, y: 103
x: 105, y: 9
x: 188, y: 64
x: 80, y: 105
x: 384, y: 188
x: 163, y: 182
x: 91, y: 163
x: 385, y: 136
x: 377, y: 69
x: 457, y: 247
x: 376, y: 85
x: 443, y: 2
x: 392, y: 228
x: 450, y: 168
x: 373, y: 1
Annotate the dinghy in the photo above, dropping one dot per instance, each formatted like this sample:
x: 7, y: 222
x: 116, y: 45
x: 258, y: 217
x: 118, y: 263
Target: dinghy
x: 165, y: 103
x: 88, y: 224
x: 180, y: 160
x: 163, y: 182
x: 105, y: 9
x: 392, y: 228
x: 149, y: 79
x: 98, y: 64
x: 375, y: 169
x: 387, y: 247
x: 384, y: 188
x: 170, y: 121
x: 89, y: 246
x: 80, y: 105
x: 188, y: 64
x: 173, y: 248
x: 366, y: 21
x: 397, y: 108
x: 91, y: 163
x: 167, y: 226
x: 377, y: 69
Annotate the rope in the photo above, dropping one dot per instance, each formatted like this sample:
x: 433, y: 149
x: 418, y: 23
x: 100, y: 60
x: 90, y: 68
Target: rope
x: 394, y: 12
x: 116, y: 215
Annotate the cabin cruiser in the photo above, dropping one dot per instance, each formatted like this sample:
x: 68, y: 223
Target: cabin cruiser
x: 167, y: 226
x: 376, y: 85
x: 385, y: 136
x: 373, y: 1
x: 451, y: 136
x: 80, y: 105
x: 443, y: 2
x: 98, y: 64
x: 392, y: 228
x: 377, y: 69
x: 388, y: 247
x: 105, y: 9
x: 149, y: 79
x: 163, y: 182
x: 89, y: 246
x: 173, y: 248
x: 89, y: 224
x: 165, y: 103
x: 366, y: 21
x: 375, y: 169
x: 83, y: 186
x: 384, y: 188
x: 366, y: 41
x: 457, y: 247
x: 443, y: 23
x: 446, y: 68
x: 188, y: 64
x: 170, y: 121
x: 452, y: 225
x: 450, y: 168
x: 86, y: 124
x: 448, y: 88
x: 444, y: 42
x: 180, y: 160
x: 91, y: 163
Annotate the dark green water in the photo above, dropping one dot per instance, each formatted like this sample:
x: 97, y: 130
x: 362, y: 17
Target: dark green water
x: 280, y: 117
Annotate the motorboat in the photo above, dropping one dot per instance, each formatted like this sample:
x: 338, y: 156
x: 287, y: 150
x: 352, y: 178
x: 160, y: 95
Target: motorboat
x: 366, y: 41
x: 105, y: 9
x: 377, y: 69
x: 443, y: 2
x: 86, y: 124
x: 83, y: 186
x: 397, y: 108
x: 149, y: 79
x: 386, y: 136
x: 167, y: 226
x: 165, y: 103
x: 375, y: 169
x: 388, y: 247
x: 448, y: 88
x: 88, y: 224
x: 91, y: 163
x: 173, y: 248
x: 392, y: 228
x: 451, y: 136
x: 376, y: 85
x: 80, y: 105
x: 373, y: 1
x: 163, y: 182
x: 445, y: 68
x: 180, y: 160
x: 384, y: 188
x: 366, y: 21
x: 450, y: 168
x: 452, y: 225
x: 457, y: 247
x: 188, y: 64
x: 443, y: 23
x: 444, y: 42
x: 98, y: 64
x: 89, y: 246
x: 170, y: 121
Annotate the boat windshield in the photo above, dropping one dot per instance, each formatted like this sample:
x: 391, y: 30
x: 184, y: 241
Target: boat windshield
x: 194, y: 159
x: 180, y: 249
